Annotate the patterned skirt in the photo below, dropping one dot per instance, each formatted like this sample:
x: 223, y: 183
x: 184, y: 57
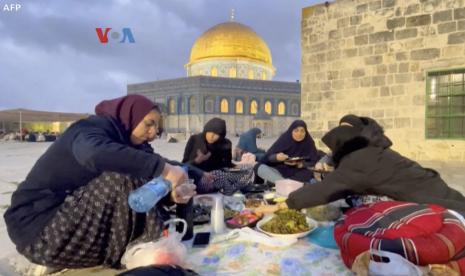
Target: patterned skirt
x: 226, y: 182
x: 94, y: 226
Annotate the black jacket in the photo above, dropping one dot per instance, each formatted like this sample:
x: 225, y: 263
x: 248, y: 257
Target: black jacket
x: 364, y: 169
x: 85, y: 150
x: 221, y: 153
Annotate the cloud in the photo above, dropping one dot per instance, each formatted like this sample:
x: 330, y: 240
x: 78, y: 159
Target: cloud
x: 51, y: 58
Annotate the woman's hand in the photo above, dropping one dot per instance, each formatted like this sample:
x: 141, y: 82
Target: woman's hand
x: 321, y: 167
x: 177, y: 176
x: 208, y: 177
x: 281, y: 157
x: 183, y: 193
x: 201, y: 156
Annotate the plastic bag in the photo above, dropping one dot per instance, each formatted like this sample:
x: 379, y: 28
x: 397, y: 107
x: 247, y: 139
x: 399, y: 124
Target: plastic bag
x: 165, y: 251
x: 286, y: 186
x: 248, y: 158
x: 396, y: 266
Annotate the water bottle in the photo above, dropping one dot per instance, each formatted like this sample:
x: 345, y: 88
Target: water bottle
x: 145, y: 197
x: 217, y: 215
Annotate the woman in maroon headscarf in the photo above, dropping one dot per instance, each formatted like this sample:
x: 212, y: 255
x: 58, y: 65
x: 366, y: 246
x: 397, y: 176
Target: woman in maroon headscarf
x: 72, y: 210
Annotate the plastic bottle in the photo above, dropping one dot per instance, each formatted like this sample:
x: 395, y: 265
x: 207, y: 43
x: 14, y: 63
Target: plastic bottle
x: 145, y: 197
x: 217, y: 215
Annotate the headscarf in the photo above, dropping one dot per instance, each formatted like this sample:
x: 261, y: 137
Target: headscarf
x: 248, y: 140
x: 369, y: 129
x: 127, y: 110
x: 353, y: 120
x: 220, y: 150
x: 216, y: 125
x: 336, y: 137
x: 286, y: 144
x: 343, y: 140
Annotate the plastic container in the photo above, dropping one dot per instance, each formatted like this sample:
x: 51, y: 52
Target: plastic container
x: 147, y: 196
x: 286, y: 186
x: 323, y: 236
x: 217, y: 215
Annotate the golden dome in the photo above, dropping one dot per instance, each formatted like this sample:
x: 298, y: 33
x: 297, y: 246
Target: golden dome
x: 230, y: 40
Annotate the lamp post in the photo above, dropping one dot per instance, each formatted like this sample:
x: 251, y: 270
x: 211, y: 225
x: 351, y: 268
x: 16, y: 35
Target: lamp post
x: 20, y: 126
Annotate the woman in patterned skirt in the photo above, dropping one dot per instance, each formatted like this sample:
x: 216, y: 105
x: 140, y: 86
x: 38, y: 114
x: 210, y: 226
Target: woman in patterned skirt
x: 72, y: 209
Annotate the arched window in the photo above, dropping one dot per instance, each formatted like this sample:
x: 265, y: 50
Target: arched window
x: 281, y: 108
x: 268, y: 107
x: 214, y: 72
x: 295, y: 109
x: 192, y: 104
x: 209, y: 105
x: 253, y: 107
x: 250, y: 74
x: 183, y: 105
x: 172, y: 106
x: 232, y: 72
x: 224, y: 106
x: 239, y: 107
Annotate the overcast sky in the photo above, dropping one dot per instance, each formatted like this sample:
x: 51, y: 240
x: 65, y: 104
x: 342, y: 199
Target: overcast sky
x: 51, y: 58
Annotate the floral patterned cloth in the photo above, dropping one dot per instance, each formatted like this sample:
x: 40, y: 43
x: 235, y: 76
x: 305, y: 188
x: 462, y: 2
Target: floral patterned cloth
x: 248, y: 258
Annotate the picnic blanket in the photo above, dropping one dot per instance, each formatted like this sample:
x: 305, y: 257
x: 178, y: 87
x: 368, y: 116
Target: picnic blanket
x: 422, y: 233
x: 240, y: 257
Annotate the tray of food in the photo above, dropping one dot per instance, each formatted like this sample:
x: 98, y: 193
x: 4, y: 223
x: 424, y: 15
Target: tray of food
x: 232, y: 170
x: 244, y: 218
x: 287, y: 223
x: 296, y: 158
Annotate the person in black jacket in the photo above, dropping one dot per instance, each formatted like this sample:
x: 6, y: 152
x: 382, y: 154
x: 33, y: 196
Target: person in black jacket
x: 295, y: 142
x: 365, y: 169
x: 72, y: 209
x: 209, y: 150
x: 367, y: 127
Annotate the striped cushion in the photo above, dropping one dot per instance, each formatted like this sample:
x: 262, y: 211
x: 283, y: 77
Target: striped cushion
x: 422, y: 233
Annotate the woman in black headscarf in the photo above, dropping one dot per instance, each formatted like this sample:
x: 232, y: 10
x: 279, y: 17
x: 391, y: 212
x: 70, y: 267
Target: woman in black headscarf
x: 209, y: 150
x: 367, y: 127
x: 295, y: 142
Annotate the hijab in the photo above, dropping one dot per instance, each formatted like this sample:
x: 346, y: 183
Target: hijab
x: 353, y: 120
x: 248, y: 140
x: 220, y: 150
x: 286, y: 144
x: 128, y: 110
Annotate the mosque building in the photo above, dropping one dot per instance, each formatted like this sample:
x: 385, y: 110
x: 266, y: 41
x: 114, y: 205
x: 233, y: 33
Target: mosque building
x: 229, y: 75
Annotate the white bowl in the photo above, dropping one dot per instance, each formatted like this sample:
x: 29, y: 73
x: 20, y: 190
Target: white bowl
x: 311, y: 223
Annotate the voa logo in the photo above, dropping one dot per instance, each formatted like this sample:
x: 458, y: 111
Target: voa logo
x: 102, y: 34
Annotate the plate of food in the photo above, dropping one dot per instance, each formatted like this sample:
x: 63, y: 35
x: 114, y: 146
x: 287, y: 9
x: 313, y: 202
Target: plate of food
x: 244, y: 218
x: 201, y: 214
x: 287, y: 223
x: 296, y: 158
x: 232, y: 170
x: 254, y: 188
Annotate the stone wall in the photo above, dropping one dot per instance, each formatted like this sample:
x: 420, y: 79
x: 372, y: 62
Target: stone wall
x: 371, y: 57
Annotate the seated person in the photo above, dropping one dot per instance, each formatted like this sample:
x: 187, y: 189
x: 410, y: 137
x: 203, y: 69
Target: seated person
x: 72, y: 210
x: 209, y: 150
x: 362, y: 168
x: 248, y: 143
x: 295, y: 142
